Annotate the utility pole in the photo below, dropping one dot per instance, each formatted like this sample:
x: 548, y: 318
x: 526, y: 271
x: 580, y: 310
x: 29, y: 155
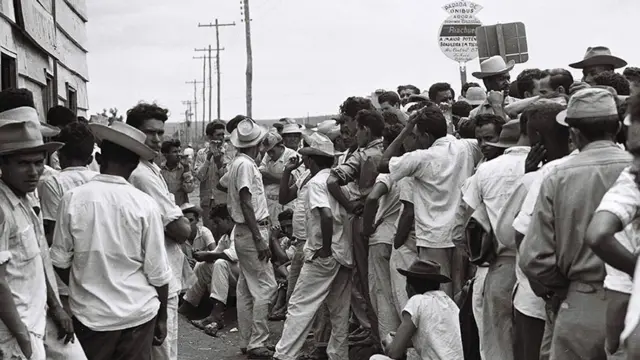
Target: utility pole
x: 204, y: 89
x: 195, y: 102
x: 208, y: 50
x: 187, y: 115
x: 217, y: 25
x: 249, y: 73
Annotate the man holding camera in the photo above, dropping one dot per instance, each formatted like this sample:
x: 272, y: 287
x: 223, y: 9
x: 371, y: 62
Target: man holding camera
x: 208, y: 168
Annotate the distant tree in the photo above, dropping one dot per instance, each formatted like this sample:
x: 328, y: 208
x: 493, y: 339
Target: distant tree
x: 112, y: 115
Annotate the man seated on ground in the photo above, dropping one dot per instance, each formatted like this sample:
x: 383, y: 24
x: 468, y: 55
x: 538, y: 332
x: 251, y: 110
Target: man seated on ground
x: 217, y: 271
x: 283, y: 251
x: 201, y: 238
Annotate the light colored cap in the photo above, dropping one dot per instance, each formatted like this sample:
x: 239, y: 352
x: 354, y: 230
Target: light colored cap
x: 271, y: 140
x: 589, y: 103
x: 475, y: 96
x: 329, y: 128
x: 319, y: 145
x: 248, y: 134
x: 291, y: 129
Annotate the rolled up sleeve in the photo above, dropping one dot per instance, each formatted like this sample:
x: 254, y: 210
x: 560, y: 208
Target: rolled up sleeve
x: 156, y: 263
x: 406, y: 165
x: 61, y: 252
x: 154, y: 186
x: 622, y: 199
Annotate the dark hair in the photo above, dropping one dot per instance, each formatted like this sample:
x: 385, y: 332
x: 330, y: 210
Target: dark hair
x: 391, y: 132
x: 114, y: 153
x: 596, y: 128
x: 524, y: 122
x: 83, y: 119
x: 438, y: 87
x: 408, y: 87
x: 461, y: 108
x: 489, y: 119
x: 323, y: 162
x: 354, y: 104
x: 468, y: 85
x: 371, y: 119
x: 233, y: 123
x: 421, y: 105
x: 615, y: 80
x: 389, y: 97
x: 431, y: 120
x: 285, y: 215
x: 390, y: 117
x: 169, y: 144
x: 467, y: 129
x: 632, y: 73
x: 525, y: 80
x: 60, y: 116
x: 341, y: 119
x: 14, y: 98
x: 513, y: 89
x: 213, y: 126
x: 422, y: 286
x: 143, y: 111
x: 78, y: 141
x: 559, y: 77
x: 542, y: 115
x: 219, y: 211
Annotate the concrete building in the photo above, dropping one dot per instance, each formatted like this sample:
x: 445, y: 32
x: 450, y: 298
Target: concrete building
x: 43, y: 47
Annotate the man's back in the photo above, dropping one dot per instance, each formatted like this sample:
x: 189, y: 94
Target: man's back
x: 52, y: 189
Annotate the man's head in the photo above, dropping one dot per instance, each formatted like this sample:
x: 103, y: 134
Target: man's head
x: 285, y: 219
x: 461, y: 109
x: 441, y: 93
x: 466, y: 87
x: 592, y: 115
x: 60, y: 116
x: 390, y: 117
x: 405, y: 91
x: 170, y: 149
x: 590, y: 72
x: 632, y: 74
x: 528, y: 83
x: 430, y: 126
x: 499, y: 82
x: 370, y: 126
x: 274, y: 146
x: 291, y: 136
x: 150, y: 119
x: 555, y: 83
x: 221, y: 220
x: 347, y: 135
x: 390, y: 133
x: 215, y: 131
x: 389, y: 100
x: 351, y: 107
x: 488, y: 128
x: 15, y: 98
x: 192, y: 213
x: 78, y: 145
x: 543, y: 128
x: 616, y: 81
x: 233, y: 123
x: 116, y: 160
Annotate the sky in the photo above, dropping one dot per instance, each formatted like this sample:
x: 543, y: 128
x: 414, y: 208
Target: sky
x: 308, y: 56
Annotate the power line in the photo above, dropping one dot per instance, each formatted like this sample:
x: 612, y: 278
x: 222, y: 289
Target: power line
x: 217, y: 25
x: 208, y: 50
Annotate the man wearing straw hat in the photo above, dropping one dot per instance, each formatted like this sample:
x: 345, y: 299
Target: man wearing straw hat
x: 597, y: 59
x: 291, y: 135
x: 89, y: 253
x: 248, y: 208
x: 558, y: 262
x: 494, y: 73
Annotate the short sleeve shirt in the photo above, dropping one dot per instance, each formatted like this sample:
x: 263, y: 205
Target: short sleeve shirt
x: 52, y: 189
x: 243, y: 173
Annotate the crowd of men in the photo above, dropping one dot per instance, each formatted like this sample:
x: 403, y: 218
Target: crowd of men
x: 501, y: 226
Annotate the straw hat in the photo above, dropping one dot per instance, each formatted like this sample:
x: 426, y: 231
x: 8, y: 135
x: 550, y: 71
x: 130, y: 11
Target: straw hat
x: 428, y: 270
x: 494, y: 65
x: 509, y: 135
x: 599, y: 55
x: 46, y: 129
x: 329, y: 128
x: 475, y: 96
x: 190, y: 208
x: 124, y: 135
x: 589, y: 103
x: 319, y: 145
x: 248, y: 134
x: 271, y: 140
x: 20, y: 130
x: 291, y: 129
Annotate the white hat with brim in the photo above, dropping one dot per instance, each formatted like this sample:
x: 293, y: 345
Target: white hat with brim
x: 48, y: 130
x: 599, y: 55
x: 248, y: 134
x: 21, y: 131
x: 494, y: 65
x: 124, y: 135
x: 188, y: 207
x: 475, y: 96
x: 291, y: 129
x: 590, y: 103
x: 319, y: 145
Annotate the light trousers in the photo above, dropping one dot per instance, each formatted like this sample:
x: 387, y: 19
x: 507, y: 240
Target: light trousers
x: 497, y: 317
x: 11, y: 350
x: 321, y: 281
x: 294, y: 269
x: 169, y: 348
x: 477, y: 299
x: 256, y: 287
x: 444, y: 257
x: 217, y: 279
x: 381, y: 290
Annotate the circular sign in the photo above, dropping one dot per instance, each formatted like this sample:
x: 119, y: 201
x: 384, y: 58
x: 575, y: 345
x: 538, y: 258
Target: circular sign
x: 457, y: 35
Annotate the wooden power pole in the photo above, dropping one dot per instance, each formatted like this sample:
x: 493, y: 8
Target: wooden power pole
x: 195, y: 103
x: 217, y: 25
x: 249, y: 73
x: 209, y: 57
x: 204, y: 90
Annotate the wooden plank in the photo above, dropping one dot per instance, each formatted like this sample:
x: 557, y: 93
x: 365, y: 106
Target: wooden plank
x: 39, y: 24
x: 71, y: 56
x: 71, y: 23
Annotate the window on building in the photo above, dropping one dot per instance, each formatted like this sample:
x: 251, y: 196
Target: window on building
x: 8, y: 74
x: 49, y: 93
x: 72, y: 99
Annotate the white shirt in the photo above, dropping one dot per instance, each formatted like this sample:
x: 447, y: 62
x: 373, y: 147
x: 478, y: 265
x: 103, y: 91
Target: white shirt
x: 435, y: 317
x: 439, y: 173
x: 243, y: 173
x: 227, y: 245
x: 406, y: 190
x: 148, y: 178
x: 492, y: 185
x: 54, y: 187
x: 300, y: 207
x: 388, y: 212
x: 318, y: 197
x: 276, y: 167
x: 203, y: 239
x: 111, y: 236
x: 623, y: 201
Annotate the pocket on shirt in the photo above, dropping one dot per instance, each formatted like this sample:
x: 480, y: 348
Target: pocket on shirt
x: 26, y: 246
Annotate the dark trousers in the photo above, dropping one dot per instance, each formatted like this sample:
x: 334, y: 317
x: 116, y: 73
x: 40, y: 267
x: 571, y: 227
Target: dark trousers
x: 528, y: 336
x: 129, y: 344
x: 361, y: 257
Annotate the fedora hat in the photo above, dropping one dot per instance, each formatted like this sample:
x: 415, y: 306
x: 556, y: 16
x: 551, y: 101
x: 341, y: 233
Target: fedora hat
x: 494, y: 65
x: 475, y: 96
x: 124, y: 135
x: 329, y: 128
x: 291, y: 129
x: 428, y: 270
x: 28, y: 112
x: 589, y: 103
x: 319, y: 145
x: 599, y: 55
x: 509, y: 135
x: 271, y: 140
x: 20, y: 130
x: 248, y: 134
x: 190, y: 208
